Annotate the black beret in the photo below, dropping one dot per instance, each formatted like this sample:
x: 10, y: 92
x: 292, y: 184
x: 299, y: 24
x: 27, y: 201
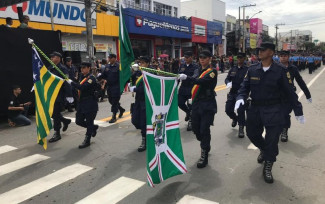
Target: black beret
x: 267, y: 45
x: 112, y: 55
x: 55, y: 53
x: 85, y: 64
x: 144, y: 58
x: 284, y: 52
x: 205, y: 53
x: 188, y: 54
x: 68, y: 59
x: 241, y: 54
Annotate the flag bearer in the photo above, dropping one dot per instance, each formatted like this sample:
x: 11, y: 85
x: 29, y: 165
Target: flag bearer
x: 88, y: 105
x: 234, y: 78
x: 204, y: 104
x: 266, y: 83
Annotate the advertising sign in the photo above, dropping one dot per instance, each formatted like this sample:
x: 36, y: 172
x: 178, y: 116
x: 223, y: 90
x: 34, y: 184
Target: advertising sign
x: 142, y: 22
x: 200, y: 30
x: 64, y: 12
x: 256, y: 25
x: 214, y: 32
x: 253, y: 40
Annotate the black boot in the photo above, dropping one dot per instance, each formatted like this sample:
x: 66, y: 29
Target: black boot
x: 267, y: 172
x: 66, y: 125
x: 234, y: 122
x: 187, y: 117
x: 284, y: 135
x: 56, y: 137
x: 260, y: 157
x: 241, y: 133
x: 203, y: 161
x: 86, y: 142
x: 143, y: 145
x: 95, y: 131
x: 122, y: 110
x: 113, y: 119
x: 189, y: 125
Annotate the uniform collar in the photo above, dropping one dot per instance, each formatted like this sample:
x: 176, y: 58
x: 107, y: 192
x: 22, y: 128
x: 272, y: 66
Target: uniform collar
x: 260, y: 66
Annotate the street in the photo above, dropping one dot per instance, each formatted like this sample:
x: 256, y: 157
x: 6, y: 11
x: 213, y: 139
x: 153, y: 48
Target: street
x: 111, y: 170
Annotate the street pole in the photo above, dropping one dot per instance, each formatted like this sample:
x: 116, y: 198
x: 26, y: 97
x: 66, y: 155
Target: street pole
x: 291, y: 42
x: 276, y: 35
x: 89, y: 31
x: 244, y: 26
x: 51, y: 13
x: 239, y: 31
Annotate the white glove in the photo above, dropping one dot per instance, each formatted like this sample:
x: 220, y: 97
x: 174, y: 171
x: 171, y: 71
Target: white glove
x: 301, y: 119
x: 135, y: 67
x: 309, y: 100
x: 238, y: 103
x: 69, y: 81
x: 182, y: 77
x: 70, y: 99
x: 132, y: 88
x: 229, y: 85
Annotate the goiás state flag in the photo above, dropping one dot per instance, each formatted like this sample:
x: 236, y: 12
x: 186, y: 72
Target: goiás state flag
x: 46, y: 87
x: 164, y: 148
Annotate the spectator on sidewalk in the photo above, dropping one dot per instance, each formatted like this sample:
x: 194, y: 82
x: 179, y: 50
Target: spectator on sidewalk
x: 24, y: 22
x: 17, y: 111
x: 8, y: 22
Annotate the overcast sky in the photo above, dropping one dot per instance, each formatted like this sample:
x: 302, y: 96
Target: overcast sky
x: 296, y: 14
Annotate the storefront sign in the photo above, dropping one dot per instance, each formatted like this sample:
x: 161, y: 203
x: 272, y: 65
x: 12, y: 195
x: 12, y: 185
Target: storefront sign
x: 142, y: 22
x: 65, y: 13
x: 200, y: 30
x: 253, y: 40
x: 214, y: 32
x: 256, y: 25
x: 82, y: 47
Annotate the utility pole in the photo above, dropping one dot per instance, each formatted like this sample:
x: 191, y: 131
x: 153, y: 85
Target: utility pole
x: 239, y: 31
x: 89, y: 31
x: 276, y: 34
x: 51, y: 13
x: 291, y: 42
x: 244, y: 26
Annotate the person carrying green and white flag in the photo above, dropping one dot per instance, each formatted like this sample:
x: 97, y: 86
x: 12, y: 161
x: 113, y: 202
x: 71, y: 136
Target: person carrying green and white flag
x: 164, y: 149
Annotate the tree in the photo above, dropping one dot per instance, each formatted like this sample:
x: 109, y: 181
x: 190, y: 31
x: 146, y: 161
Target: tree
x: 310, y: 46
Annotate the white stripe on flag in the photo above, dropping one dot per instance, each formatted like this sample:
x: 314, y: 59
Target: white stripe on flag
x: 194, y: 200
x: 6, y: 148
x: 153, y: 163
x: 43, y: 184
x: 151, y: 184
x: 21, y: 163
x: 175, y: 160
x: 172, y: 125
x: 113, y: 192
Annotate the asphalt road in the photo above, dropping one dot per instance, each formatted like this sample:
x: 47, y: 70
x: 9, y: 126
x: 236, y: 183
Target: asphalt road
x: 111, y: 170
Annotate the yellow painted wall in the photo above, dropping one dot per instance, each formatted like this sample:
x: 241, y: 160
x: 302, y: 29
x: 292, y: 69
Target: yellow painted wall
x: 107, y: 25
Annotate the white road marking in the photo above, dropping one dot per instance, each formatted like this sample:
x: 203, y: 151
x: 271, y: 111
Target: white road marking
x: 113, y: 192
x: 21, y: 163
x: 300, y: 94
x: 43, y: 184
x: 194, y: 200
x: 6, y: 148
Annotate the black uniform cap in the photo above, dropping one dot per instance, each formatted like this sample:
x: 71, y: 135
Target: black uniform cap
x: 68, y: 59
x: 240, y: 55
x: 188, y: 54
x: 267, y: 45
x: 144, y: 58
x: 55, y: 53
x: 284, y: 52
x: 205, y: 53
x: 112, y: 56
x: 85, y: 64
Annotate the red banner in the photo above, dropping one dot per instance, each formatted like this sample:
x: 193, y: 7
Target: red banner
x: 199, y: 30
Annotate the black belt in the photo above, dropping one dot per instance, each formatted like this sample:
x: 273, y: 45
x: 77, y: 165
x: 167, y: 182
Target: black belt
x: 266, y: 102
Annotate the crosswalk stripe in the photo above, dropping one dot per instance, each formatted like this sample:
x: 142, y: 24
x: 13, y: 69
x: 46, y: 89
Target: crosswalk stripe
x: 21, y: 163
x: 194, y: 200
x: 43, y: 184
x: 6, y: 148
x: 113, y: 192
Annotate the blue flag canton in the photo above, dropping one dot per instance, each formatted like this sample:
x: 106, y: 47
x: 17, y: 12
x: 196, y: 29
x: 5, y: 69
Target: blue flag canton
x: 37, y: 65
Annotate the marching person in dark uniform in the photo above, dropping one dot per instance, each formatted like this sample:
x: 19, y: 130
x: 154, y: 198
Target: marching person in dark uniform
x: 65, y: 93
x: 267, y: 82
x: 88, y: 106
x: 139, y: 107
x: 111, y: 77
x: 204, y: 104
x: 294, y: 74
x: 73, y: 75
x: 233, y: 80
x: 184, y: 92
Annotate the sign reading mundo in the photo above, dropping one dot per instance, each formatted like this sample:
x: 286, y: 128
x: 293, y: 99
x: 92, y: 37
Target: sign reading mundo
x: 65, y: 13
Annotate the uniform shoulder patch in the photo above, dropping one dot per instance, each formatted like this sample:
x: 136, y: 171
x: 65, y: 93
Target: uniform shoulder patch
x: 212, y: 74
x: 11, y: 103
x: 90, y: 81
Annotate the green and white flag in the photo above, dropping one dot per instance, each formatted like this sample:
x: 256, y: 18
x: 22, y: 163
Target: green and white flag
x: 164, y: 148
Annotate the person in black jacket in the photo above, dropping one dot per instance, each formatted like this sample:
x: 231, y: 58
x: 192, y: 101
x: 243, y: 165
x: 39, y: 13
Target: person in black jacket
x: 65, y: 93
x: 139, y: 108
x: 88, y: 105
x: 266, y: 83
x: 233, y: 80
x: 294, y: 73
x: 204, y: 104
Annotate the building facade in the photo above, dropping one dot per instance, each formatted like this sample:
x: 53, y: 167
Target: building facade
x: 294, y: 39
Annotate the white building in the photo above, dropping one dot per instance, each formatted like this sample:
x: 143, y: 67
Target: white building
x: 294, y: 39
x: 162, y: 7
x: 211, y: 10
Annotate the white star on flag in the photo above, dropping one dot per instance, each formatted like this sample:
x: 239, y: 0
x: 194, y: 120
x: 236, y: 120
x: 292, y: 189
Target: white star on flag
x: 34, y: 76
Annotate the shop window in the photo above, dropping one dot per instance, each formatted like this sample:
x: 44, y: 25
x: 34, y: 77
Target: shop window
x: 175, y: 12
x: 162, y: 9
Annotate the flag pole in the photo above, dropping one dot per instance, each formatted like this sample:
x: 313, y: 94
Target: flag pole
x: 31, y: 41
x: 158, y: 71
